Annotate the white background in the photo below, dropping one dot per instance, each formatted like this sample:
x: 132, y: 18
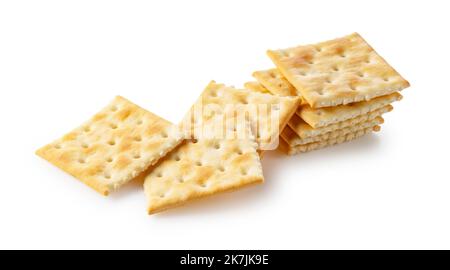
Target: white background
x: 61, y: 61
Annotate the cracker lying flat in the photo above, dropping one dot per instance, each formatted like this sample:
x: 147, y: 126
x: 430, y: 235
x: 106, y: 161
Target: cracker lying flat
x: 338, y: 71
x: 114, y: 146
x: 201, y: 168
x: 269, y: 114
x: 284, y: 146
x: 256, y: 86
x: 291, y: 137
x: 275, y: 82
x: 303, y: 130
x: 326, y: 116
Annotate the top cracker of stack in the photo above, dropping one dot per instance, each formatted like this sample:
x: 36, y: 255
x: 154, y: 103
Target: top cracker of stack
x: 345, y: 87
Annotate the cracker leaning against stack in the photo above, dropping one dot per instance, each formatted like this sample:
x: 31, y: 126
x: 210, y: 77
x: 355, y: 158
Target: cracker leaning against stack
x: 318, y: 95
x: 345, y: 87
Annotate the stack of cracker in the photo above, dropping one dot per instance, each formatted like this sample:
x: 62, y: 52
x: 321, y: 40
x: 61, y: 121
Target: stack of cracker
x: 345, y: 87
x: 318, y: 95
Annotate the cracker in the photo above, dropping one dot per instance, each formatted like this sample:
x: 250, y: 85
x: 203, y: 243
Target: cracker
x: 284, y: 146
x: 269, y: 114
x: 303, y: 130
x: 338, y: 71
x: 256, y: 86
x: 202, y: 168
x: 291, y: 137
x: 326, y: 116
x: 114, y: 146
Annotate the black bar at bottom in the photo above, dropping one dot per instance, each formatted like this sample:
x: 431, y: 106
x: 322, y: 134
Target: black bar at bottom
x: 226, y: 259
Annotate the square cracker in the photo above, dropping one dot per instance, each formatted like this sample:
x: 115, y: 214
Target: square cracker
x: 338, y: 71
x: 303, y: 130
x: 291, y: 137
x: 284, y: 146
x: 267, y: 113
x: 256, y: 86
x: 114, y: 146
x: 200, y: 168
x: 329, y: 115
